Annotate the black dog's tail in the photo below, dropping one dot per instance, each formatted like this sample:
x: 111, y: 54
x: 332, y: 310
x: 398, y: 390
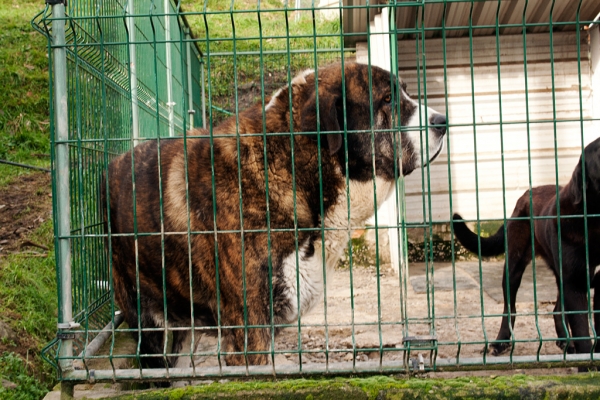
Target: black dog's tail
x: 490, y: 246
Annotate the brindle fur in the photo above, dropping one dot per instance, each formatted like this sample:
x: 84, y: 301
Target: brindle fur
x: 222, y: 268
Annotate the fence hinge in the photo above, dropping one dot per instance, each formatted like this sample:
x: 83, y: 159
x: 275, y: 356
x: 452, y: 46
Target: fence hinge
x: 63, y: 330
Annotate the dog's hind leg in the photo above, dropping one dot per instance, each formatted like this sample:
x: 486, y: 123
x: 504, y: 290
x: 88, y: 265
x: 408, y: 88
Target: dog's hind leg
x: 518, y: 256
x: 152, y: 341
x: 596, y: 286
x: 561, y: 326
x: 574, y: 288
x: 515, y: 274
x: 576, y: 301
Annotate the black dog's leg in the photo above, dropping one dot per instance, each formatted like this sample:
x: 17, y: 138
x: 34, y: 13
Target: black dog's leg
x: 561, y: 326
x: 561, y: 322
x: 518, y: 256
x: 596, y: 286
x: 576, y: 300
x: 515, y: 274
x: 574, y: 288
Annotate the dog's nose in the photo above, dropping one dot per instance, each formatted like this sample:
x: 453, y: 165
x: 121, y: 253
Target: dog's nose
x: 438, y: 124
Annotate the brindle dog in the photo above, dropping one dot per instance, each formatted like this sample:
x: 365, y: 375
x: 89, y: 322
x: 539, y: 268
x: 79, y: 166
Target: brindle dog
x: 229, y: 226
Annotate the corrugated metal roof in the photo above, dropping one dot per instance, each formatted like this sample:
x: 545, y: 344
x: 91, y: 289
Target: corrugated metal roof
x: 457, y: 16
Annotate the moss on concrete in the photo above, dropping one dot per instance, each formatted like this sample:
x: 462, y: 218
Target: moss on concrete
x: 581, y: 386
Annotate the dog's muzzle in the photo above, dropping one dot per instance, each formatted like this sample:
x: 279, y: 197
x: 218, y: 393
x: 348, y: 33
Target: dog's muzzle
x: 438, y: 124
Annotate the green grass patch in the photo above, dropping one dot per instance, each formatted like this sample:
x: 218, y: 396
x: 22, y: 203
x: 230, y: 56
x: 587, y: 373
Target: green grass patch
x: 28, y: 305
x: 362, y: 255
x: 255, y: 46
x: 14, y: 369
x: 8, y: 173
x: 384, y: 387
x: 28, y: 289
x: 488, y: 228
x: 24, y: 109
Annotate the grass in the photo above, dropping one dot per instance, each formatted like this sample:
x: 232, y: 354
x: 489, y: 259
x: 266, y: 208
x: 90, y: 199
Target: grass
x: 27, y: 283
x: 28, y: 305
x: 24, y: 121
x: 16, y: 371
x: 29, y: 289
x: 581, y: 386
x: 362, y: 255
x: 270, y: 58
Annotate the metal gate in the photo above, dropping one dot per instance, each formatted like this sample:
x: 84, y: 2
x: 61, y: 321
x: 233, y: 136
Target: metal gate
x: 518, y: 81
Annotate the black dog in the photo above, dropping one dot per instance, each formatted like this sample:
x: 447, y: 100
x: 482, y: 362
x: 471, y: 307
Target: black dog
x: 573, y: 238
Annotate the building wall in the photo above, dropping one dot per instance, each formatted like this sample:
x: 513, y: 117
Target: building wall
x: 503, y: 138
x: 594, y: 33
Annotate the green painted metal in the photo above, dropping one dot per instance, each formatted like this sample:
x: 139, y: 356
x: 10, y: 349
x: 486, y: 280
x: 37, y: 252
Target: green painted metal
x: 123, y: 72
x: 105, y: 91
x: 63, y: 206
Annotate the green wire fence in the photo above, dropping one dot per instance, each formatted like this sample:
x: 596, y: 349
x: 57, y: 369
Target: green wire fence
x: 519, y: 81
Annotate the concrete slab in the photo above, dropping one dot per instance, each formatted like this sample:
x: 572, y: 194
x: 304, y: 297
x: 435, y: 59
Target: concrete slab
x: 491, y: 277
x: 469, y: 275
x: 443, y: 279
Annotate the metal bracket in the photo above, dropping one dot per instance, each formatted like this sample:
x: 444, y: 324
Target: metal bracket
x: 420, y: 341
x: 192, y: 112
x: 56, y: 2
x: 66, y: 326
x: 65, y: 336
x: 418, y: 344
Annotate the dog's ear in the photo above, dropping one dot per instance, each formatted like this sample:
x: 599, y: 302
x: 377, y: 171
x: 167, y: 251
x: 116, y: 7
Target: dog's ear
x: 328, y: 117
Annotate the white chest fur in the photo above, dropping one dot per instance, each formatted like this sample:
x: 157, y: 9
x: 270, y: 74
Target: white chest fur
x: 304, y: 276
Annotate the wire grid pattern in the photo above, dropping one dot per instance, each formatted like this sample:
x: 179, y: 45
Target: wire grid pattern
x: 99, y: 62
x: 100, y: 121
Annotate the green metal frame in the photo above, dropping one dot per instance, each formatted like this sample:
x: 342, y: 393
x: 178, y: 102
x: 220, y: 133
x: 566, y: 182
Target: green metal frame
x: 124, y: 72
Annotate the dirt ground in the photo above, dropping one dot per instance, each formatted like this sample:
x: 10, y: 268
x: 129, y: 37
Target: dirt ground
x: 24, y: 205
x: 469, y: 315
x: 364, y: 311
x: 466, y: 315
x: 353, y: 308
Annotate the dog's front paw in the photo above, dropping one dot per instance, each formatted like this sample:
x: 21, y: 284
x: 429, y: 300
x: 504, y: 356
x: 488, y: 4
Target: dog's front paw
x: 562, y: 344
x: 496, y: 348
x: 253, y: 359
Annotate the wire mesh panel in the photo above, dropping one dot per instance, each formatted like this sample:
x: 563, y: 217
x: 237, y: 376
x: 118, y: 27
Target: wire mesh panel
x: 254, y: 192
x: 120, y: 88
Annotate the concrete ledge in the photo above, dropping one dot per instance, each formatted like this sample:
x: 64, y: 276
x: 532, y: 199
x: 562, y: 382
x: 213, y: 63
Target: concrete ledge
x: 518, y: 386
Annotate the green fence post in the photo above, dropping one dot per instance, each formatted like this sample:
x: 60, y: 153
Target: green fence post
x: 62, y: 174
